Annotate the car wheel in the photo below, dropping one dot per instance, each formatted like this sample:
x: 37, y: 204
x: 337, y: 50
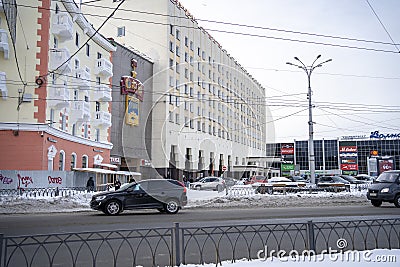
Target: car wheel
x: 397, y: 201
x: 113, y: 207
x: 198, y: 187
x: 172, y: 206
x: 376, y: 203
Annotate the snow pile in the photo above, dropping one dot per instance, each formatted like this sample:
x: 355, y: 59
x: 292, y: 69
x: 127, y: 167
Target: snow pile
x: 376, y: 257
x: 243, y: 197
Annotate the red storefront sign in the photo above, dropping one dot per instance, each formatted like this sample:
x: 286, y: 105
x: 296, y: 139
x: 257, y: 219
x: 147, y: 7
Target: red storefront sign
x: 287, y: 149
x: 348, y: 149
x: 349, y: 167
x: 385, y: 165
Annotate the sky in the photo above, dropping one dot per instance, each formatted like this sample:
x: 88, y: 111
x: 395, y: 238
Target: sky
x: 354, y: 94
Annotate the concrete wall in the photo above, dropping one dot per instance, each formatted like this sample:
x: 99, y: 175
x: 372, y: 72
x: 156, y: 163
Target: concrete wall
x: 14, y: 179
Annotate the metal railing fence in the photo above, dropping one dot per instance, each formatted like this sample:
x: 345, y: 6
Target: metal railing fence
x: 177, y: 245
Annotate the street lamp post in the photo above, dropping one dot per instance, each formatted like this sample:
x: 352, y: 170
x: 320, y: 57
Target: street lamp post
x: 308, y: 70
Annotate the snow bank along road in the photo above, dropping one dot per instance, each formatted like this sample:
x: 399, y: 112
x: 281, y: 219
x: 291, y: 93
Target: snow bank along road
x: 196, y: 200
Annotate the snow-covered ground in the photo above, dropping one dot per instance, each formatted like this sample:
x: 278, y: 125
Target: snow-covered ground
x: 243, y: 197
x: 376, y: 257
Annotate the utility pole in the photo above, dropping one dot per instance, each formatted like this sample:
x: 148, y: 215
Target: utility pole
x: 308, y: 70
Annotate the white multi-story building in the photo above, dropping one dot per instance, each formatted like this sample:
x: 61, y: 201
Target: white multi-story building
x: 208, y: 112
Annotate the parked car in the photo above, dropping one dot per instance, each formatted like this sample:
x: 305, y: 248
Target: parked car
x: 229, y: 181
x: 332, y: 181
x: 210, y: 183
x: 365, y: 177
x: 386, y: 188
x: 165, y: 195
x: 352, y: 179
x: 256, y: 179
x: 296, y: 178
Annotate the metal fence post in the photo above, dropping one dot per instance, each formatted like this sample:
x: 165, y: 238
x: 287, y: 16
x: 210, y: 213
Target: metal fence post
x: 177, y: 245
x: 311, y: 237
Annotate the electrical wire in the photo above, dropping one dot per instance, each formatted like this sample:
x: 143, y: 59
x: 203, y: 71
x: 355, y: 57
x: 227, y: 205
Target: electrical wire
x: 383, y: 26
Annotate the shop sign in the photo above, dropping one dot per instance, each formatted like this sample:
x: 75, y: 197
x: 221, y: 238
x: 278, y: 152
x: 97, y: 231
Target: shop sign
x: 287, y: 149
x: 348, y: 149
x: 377, y: 135
x: 115, y: 160
x: 349, y: 167
x: 287, y: 167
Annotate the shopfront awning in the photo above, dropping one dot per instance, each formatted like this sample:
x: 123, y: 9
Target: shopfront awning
x: 111, y: 166
x: 128, y: 173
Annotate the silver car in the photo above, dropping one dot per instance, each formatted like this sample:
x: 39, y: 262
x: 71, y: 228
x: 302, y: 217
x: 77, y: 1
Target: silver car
x: 209, y: 183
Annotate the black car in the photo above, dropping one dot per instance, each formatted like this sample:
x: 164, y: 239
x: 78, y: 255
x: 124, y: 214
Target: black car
x: 386, y: 188
x: 352, y: 179
x: 165, y: 195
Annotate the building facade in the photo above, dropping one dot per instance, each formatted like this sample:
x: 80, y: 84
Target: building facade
x: 208, y: 112
x: 132, y: 119
x: 55, y: 73
x: 366, y: 154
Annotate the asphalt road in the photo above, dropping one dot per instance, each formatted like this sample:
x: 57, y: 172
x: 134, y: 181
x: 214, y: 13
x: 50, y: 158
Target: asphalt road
x: 30, y: 224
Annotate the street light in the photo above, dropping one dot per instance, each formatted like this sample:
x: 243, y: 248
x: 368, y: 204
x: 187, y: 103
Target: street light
x: 309, y: 70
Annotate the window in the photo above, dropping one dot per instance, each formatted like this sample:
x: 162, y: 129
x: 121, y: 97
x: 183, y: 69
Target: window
x: 73, y: 161
x: 63, y: 122
x: 177, y: 118
x: 51, y: 117
x: 178, y: 37
x: 191, y: 45
x: 177, y: 51
x: 171, y: 46
x: 186, y: 57
x: 77, y: 39
x: 55, y: 40
x: 97, y: 139
x: 77, y: 64
x: 97, y: 106
x: 186, y: 41
x: 99, y: 55
x: 86, y: 131
x: 171, y: 29
x: 171, y: 63
x: 121, y: 31
x: 84, y: 161
x: 88, y: 50
x: 74, y: 129
x: 61, y: 161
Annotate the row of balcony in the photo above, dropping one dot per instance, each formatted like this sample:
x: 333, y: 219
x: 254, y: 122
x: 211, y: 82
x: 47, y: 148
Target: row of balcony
x: 4, y: 47
x: 59, y: 64
x: 3, y: 85
x: 59, y: 95
x: 80, y: 113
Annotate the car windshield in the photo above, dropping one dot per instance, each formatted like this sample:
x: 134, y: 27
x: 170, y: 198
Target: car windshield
x: 125, y: 186
x: 387, y: 177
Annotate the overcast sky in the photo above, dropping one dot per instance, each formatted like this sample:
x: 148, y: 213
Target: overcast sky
x: 355, y: 94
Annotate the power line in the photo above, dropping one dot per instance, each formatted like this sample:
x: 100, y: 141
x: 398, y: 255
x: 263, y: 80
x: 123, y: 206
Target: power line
x: 241, y: 33
x: 245, y: 25
x: 387, y: 32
